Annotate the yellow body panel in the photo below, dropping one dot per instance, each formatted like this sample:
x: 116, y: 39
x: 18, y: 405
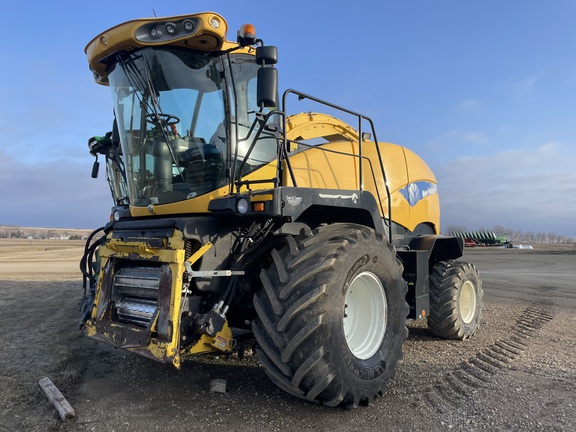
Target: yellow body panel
x: 418, y: 171
x: 321, y: 167
x: 123, y: 37
x: 306, y: 126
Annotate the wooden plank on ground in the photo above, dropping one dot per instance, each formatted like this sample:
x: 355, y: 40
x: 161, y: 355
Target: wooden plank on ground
x: 56, y: 398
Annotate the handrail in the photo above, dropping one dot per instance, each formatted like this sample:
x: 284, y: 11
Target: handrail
x: 360, y: 117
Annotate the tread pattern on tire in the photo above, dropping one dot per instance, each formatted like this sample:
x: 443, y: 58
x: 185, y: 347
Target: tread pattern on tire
x: 294, y: 318
x: 445, y: 280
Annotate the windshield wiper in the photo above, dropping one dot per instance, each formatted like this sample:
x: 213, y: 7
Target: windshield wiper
x: 148, y: 93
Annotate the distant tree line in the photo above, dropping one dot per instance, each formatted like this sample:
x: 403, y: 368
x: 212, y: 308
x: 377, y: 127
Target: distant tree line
x: 517, y: 236
x: 513, y: 236
x: 11, y: 234
x: 22, y: 233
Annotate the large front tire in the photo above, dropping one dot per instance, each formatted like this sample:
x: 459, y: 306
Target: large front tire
x: 332, y: 315
x: 455, y: 300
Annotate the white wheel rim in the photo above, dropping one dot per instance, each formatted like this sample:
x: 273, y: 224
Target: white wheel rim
x: 365, y: 315
x: 467, y: 302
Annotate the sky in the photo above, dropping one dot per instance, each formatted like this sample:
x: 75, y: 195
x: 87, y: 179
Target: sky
x: 483, y: 91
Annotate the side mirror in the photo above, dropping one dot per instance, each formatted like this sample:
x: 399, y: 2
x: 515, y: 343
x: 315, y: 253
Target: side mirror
x: 266, y: 55
x: 267, y: 90
x: 95, y: 168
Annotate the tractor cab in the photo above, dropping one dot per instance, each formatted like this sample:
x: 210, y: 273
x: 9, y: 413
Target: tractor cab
x: 190, y: 121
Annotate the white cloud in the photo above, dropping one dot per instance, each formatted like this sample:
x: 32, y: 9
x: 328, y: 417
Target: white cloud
x: 468, y: 137
x: 460, y: 137
x: 525, y: 189
x: 468, y: 105
x: 525, y: 85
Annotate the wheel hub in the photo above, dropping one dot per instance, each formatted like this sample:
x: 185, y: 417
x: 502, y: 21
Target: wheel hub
x: 467, y: 302
x: 365, y: 315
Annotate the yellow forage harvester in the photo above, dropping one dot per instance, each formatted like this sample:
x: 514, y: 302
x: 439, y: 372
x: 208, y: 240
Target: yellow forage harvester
x: 238, y: 222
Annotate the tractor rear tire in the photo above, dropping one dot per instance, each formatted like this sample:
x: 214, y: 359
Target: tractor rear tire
x: 332, y: 315
x: 455, y: 300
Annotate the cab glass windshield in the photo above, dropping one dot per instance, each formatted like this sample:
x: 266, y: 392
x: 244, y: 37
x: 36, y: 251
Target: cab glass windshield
x: 172, y: 107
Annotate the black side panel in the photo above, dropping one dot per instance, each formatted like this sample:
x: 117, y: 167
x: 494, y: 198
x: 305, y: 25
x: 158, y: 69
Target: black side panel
x: 439, y: 247
x: 416, y: 275
x: 315, y: 206
x: 202, y: 228
x: 309, y: 206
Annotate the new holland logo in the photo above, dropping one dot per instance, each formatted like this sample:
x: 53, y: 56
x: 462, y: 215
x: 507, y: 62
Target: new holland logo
x: 417, y: 191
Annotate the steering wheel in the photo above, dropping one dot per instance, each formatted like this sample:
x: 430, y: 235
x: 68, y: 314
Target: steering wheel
x: 162, y: 119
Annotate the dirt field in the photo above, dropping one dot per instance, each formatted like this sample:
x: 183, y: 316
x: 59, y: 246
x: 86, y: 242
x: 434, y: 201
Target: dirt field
x: 518, y: 373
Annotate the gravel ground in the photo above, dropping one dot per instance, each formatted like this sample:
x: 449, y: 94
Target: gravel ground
x: 518, y: 373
